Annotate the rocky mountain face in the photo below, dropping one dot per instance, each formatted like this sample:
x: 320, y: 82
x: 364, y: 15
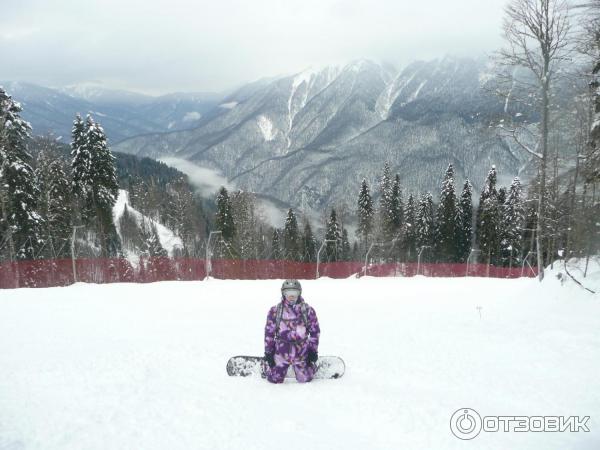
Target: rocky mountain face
x: 309, y: 139
x: 122, y: 114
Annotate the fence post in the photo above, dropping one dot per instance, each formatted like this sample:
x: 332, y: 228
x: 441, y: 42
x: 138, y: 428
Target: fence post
x: 469, y: 258
x: 419, y: 257
x: 379, y: 244
x: 73, y: 259
x: 367, y: 258
x: 319, y: 254
x: 526, y: 261
x: 207, y: 262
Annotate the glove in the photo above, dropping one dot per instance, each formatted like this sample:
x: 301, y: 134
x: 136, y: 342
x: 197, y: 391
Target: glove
x: 312, y: 356
x: 270, y: 359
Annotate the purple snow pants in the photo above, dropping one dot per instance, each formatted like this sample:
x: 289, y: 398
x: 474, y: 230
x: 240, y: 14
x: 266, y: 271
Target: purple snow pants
x: 288, y: 355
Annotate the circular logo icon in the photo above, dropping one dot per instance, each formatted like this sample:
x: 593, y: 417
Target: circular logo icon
x: 465, y: 424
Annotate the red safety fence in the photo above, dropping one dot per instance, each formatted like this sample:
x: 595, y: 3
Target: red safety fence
x: 48, y: 273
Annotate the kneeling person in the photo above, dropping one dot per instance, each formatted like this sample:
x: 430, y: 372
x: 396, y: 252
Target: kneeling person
x: 291, y: 336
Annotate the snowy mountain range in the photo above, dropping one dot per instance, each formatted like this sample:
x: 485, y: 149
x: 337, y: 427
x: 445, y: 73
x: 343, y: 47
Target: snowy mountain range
x: 308, y: 139
x: 123, y: 114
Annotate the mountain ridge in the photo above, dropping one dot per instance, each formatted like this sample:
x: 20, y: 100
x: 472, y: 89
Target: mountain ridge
x: 123, y: 114
x: 324, y: 124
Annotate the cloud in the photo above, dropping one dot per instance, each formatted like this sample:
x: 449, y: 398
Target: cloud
x: 207, y: 181
x: 16, y: 34
x: 159, y: 46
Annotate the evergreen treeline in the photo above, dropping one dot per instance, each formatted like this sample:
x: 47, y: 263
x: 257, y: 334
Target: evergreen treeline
x: 496, y: 230
x: 445, y: 231
x: 51, y: 192
x: 394, y: 230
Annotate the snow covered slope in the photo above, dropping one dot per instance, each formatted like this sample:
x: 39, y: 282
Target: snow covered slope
x: 169, y: 240
x: 143, y: 366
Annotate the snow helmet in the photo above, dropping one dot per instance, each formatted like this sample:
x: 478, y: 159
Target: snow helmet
x: 291, y: 284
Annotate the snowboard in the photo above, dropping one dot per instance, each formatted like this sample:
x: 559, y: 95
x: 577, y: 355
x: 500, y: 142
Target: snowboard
x: 328, y: 367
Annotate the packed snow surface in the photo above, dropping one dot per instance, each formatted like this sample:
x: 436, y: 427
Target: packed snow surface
x: 128, y: 366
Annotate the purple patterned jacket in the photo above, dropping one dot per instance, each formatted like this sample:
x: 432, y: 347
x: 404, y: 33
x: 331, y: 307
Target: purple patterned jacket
x: 294, y: 339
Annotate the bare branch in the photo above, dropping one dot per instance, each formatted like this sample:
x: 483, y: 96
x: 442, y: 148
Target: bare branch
x: 533, y: 152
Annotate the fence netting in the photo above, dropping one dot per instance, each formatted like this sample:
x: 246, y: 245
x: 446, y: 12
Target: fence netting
x: 49, y: 273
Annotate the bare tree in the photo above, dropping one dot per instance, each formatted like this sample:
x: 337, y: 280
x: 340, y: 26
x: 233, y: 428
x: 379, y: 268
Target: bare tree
x: 590, y: 46
x: 535, y: 32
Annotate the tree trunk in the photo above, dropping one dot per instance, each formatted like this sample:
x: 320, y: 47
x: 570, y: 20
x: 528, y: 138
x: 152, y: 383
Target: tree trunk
x: 555, y: 241
x: 544, y: 148
x: 573, y: 202
x: 589, y: 246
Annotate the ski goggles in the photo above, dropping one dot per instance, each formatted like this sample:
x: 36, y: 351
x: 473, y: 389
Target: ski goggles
x: 291, y: 294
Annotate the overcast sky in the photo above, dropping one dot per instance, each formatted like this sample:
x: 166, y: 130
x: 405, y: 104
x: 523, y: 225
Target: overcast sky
x: 159, y: 46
